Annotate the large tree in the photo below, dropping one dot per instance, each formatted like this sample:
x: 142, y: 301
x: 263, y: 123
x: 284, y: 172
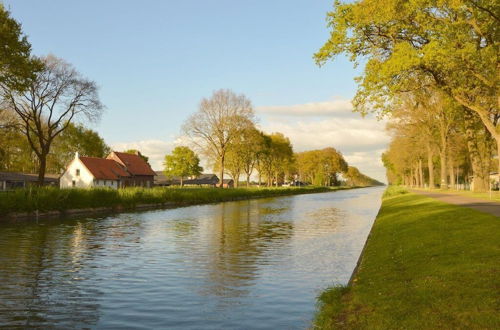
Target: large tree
x: 242, y: 156
x: 17, y: 67
x: 450, y: 44
x: 218, y: 123
x: 182, y: 162
x: 55, y: 98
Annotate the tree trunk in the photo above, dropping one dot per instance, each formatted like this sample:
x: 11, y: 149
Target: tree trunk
x: 430, y: 166
x: 480, y: 170
x: 221, y: 185
x: 182, y: 182
x: 236, y: 179
x: 444, y: 177
x: 248, y: 180
x: 41, y: 169
x: 452, y: 176
x: 498, y: 155
x: 421, y: 172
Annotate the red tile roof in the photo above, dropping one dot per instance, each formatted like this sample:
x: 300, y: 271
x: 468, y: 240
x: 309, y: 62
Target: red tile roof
x: 134, y: 164
x: 104, y: 169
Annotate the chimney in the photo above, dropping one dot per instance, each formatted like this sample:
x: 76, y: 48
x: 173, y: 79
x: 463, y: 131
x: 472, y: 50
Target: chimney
x: 77, y: 155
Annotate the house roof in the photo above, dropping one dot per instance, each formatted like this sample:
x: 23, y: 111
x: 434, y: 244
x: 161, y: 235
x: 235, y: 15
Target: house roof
x: 202, y: 179
x: 134, y: 163
x: 104, y: 169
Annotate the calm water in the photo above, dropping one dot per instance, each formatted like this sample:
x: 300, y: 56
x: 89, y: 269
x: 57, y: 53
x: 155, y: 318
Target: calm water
x: 239, y: 265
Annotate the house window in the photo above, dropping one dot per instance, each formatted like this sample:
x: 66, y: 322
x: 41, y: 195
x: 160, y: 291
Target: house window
x: 73, y: 183
x: 77, y: 172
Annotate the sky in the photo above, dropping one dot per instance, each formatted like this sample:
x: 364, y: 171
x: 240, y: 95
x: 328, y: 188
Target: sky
x: 155, y: 60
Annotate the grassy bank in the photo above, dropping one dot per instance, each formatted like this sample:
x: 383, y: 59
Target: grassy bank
x: 426, y: 265
x: 494, y: 196
x: 54, y: 199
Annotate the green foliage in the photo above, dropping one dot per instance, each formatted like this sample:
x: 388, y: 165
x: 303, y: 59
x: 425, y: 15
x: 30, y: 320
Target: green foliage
x: 276, y: 158
x: 17, y: 67
x: 182, y: 162
x: 51, y: 198
x: 320, y: 167
x: 75, y: 138
x: 426, y: 265
x: 356, y: 178
x: 450, y: 45
x: 395, y: 191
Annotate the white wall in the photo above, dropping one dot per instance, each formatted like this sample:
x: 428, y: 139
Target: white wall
x: 106, y: 183
x: 84, y: 180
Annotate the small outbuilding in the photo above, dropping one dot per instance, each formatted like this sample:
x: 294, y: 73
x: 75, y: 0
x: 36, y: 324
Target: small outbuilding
x: 227, y: 183
x: 15, y: 180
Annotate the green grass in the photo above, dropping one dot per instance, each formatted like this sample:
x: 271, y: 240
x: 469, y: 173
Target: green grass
x: 50, y: 198
x: 495, y: 195
x: 426, y: 265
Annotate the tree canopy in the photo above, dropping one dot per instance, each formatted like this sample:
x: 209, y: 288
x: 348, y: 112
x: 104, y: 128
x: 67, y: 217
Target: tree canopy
x: 450, y: 45
x: 183, y: 162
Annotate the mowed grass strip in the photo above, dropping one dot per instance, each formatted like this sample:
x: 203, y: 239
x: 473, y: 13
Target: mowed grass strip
x: 426, y: 265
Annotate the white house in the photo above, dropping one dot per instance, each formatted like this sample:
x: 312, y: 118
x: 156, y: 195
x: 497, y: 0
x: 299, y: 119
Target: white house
x: 87, y: 172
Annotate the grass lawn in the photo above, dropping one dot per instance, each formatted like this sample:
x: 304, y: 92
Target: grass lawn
x: 426, y: 265
x: 495, y: 195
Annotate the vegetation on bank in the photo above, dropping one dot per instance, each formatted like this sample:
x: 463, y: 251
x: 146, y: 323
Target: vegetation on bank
x: 55, y: 199
x: 426, y: 265
x: 493, y: 195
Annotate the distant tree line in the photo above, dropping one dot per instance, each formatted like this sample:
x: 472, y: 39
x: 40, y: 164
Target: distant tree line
x: 224, y: 131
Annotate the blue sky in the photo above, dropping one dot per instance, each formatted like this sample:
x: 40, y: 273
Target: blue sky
x: 155, y: 60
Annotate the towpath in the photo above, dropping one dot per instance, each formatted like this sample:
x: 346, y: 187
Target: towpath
x: 482, y: 205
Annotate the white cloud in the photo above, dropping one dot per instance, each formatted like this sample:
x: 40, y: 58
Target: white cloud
x: 334, y: 107
x: 154, y: 149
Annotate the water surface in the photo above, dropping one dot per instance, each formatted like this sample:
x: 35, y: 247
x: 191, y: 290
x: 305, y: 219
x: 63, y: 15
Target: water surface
x: 255, y: 264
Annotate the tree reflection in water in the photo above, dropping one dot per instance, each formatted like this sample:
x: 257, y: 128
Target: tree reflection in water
x: 236, y: 238
x: 44, y: 271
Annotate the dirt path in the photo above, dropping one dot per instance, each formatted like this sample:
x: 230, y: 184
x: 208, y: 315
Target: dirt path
x: 485, y: 206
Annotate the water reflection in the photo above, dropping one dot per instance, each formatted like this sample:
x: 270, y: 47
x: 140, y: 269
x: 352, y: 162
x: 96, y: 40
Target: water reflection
x: 43, y: 269
x: 248, y: 264
x: 230, y: 245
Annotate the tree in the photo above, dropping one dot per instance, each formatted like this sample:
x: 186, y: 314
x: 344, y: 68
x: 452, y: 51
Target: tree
x: 356, y: 178
x: 182, y: 162
x: 218, y: 123
x: 17, y: 67
x: 321, y: 167
x: 138, y: 153
x: 75, y: 138
x: 56, y: 97
x: 242, y: 155
x: 451, y: 45
x: 277, y: 158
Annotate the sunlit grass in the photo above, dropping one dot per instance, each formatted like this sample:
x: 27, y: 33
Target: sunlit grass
x: 50, y: 198
x: 426, y: 265
x: 494, y: 195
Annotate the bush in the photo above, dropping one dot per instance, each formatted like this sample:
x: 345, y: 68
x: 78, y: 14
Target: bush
x: 394, y: 191
x: 52, y: 198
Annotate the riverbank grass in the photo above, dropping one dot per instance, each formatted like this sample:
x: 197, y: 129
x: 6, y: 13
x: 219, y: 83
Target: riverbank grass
x: 426, y: 265
x: 54, y: 199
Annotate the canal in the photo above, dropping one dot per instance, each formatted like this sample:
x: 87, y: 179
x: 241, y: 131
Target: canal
x: 256, y: 264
